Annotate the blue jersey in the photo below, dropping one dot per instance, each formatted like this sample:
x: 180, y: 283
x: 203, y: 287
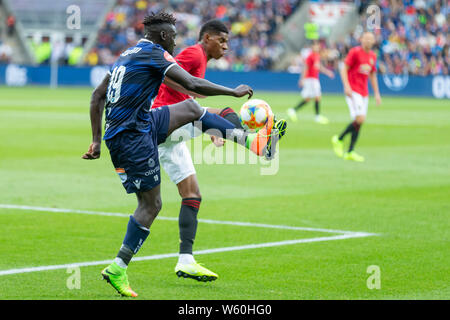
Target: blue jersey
x: 135, y: 80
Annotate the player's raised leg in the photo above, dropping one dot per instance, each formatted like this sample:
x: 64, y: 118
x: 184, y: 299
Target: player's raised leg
x: 261, y: 142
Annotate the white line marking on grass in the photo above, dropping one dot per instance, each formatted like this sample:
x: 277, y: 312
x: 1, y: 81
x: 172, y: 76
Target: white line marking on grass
x: 173, y: 255
x: 116, y: 214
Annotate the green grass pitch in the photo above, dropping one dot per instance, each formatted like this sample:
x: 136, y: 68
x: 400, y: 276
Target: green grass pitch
x: 401, y: 194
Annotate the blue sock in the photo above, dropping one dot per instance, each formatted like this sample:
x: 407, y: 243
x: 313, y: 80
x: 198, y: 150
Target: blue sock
x: 214, y: 121
x: 134, y: 238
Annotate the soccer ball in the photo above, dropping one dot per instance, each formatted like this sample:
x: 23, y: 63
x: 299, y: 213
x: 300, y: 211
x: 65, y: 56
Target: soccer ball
x: 254, y: 114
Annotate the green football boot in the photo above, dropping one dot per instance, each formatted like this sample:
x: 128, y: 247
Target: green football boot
x: 278, y: 132
x: 352, y: 155
x: 195, y: 271
x: 338, y: 146
x: 117, y: 277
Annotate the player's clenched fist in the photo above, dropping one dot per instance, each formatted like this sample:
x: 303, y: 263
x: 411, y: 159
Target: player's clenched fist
x: 93, y: 151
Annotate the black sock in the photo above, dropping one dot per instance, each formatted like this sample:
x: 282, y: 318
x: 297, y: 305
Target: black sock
x: 317, y: 107
x: 350, y: 128
x: 125, y: 254
x: 187, y: 223
x: 355, y: 135
x: 231, y: 116
x: 301, y: 104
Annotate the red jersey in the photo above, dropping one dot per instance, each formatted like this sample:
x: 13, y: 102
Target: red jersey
x: 193, y: 59
x: 312, y: 65
x: 360, y: 65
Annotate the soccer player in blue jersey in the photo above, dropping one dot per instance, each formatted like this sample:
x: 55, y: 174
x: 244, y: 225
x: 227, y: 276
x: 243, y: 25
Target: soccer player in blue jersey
x: 133, y: 130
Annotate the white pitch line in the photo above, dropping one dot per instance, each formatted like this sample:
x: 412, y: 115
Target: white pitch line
x: 116, y: 214
x: 173, y: 255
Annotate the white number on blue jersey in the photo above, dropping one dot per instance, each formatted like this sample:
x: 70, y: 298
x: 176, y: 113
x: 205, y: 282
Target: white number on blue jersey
x: 115, y: 84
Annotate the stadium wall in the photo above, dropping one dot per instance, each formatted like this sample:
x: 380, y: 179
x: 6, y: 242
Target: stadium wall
x: 403, y: 85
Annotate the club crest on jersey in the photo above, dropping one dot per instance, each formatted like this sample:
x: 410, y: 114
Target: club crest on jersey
x: 168, y: 57
x: 365, y: 69
x: 151, y: 163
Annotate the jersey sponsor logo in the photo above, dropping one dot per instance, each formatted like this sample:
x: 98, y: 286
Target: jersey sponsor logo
x: 151, y: 162
x: 153, y: 171
x: 365, y: 68
x: 168, y: 57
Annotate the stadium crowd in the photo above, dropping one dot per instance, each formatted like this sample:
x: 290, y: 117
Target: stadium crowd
x: 252, y: 23
x: 413, y: 38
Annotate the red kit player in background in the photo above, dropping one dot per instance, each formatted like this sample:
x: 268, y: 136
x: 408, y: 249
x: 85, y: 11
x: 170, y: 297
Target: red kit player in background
x: 309, y: 81
x: 359, y: 67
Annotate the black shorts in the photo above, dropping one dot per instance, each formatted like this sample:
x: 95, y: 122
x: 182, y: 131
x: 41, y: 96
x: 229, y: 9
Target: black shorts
x: 135, y: 154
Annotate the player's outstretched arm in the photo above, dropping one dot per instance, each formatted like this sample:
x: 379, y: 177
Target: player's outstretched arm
x: 205, y: 87
x: 175, y: 86
x: 96, y: 111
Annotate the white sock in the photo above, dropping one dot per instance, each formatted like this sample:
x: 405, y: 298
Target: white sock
x: 186, y: 258
x: 120, y: 263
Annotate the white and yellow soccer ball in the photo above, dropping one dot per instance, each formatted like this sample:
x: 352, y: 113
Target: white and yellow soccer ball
x: 254, y: 114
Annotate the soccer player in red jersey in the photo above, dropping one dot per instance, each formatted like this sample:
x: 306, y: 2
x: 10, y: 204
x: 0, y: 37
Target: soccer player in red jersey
x: 359, y: 67
x: 309, y: 80
x: 175, y: 156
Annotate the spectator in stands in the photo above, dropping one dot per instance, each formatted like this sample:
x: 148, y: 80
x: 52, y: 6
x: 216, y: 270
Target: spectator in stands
x: 413, y: 37
x: 5, y: 52
x: 253, y: 24
x: 10, y: 24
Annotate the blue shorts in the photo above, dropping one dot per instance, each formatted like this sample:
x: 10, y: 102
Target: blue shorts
x: 135, y: 154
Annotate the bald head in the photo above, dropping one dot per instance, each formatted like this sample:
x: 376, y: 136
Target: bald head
x: 367, y: 40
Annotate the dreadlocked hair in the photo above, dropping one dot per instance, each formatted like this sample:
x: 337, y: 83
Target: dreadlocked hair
x: 159, y: 18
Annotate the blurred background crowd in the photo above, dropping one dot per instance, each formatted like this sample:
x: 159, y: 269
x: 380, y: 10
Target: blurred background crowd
x: 413, y: 39
x: 413, y: 35
x: 252, y: 25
